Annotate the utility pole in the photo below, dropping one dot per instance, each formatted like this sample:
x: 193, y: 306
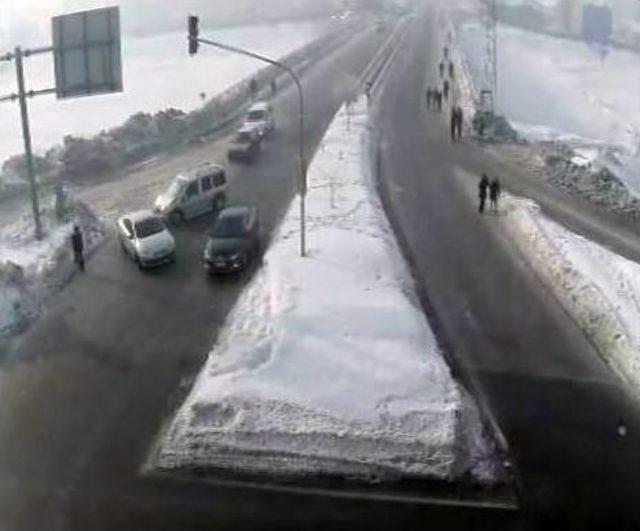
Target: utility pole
x: 92, y: 55
x: 26, y: 135
x: 195, y: 40
x: 490, y: 88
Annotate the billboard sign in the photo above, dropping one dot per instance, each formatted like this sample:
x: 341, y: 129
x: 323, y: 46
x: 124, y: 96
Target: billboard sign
x: 86, y: 52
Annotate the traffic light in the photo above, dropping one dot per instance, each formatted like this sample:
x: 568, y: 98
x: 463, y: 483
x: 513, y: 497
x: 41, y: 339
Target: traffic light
x: 193, y: 34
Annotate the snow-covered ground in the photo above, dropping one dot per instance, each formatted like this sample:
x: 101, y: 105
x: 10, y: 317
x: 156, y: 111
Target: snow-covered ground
x: 327, y: 364
x: 600, y: 288
x: 158, y: 73
x: 564, y: 90
x: 31, y: 270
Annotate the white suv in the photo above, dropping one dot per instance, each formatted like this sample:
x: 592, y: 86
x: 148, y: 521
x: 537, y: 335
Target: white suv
x: 260, y: 116
x: 192, y: 193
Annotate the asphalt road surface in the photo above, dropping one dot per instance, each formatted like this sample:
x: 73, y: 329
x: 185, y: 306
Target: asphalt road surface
x: 86, y: 390
x: 554, y: 399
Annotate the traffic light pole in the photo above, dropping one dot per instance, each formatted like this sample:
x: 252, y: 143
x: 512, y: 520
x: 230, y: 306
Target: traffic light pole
x: 302, y: 181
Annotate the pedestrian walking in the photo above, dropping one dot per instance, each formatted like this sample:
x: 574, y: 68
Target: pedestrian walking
x: 454, y: 123
x: 429, y: 97
x: 459, y: 123
x: 253, y: 87
x: 446, y: 52
x: 438, y: 100
x: 77, y: 244
x: 451, y: 70
x: 441, y: 68
x: 494, y: 194
x: 482, y: 192
x: 274, y: 87
x: 445, y: 89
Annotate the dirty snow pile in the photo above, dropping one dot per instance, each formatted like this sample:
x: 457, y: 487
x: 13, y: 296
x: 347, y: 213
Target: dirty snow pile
x: 31, y: 270
x: 600, y: 288
x: 327, y: 366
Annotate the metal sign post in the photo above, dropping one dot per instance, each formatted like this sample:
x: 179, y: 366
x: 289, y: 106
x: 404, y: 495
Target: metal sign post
x: 87, y: 62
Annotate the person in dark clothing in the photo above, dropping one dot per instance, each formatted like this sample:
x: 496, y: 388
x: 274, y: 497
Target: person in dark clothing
x: 253, y: 87
x: 494, y: 194
x: 451, y: 70
x: 274, y: 87
x: 429, y: 97
x: 77, y: 244
x: 441, y: 67
x: 445, y: 89
x: 482, y: 192
x: 438, y: 100
x: 454, y: 123
x: 446, y: 52
x: 481, y: 126
x: 459, y: 123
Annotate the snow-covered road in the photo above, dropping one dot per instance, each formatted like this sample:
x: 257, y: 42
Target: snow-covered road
x: 327, y: 364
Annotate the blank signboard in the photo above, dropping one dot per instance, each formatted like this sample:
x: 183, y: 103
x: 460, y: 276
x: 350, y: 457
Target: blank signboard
x: 87, y: 53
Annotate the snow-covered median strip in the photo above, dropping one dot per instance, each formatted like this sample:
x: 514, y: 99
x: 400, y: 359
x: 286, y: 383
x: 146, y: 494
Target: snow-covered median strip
x: 600, y: 288
x: 327, y: 366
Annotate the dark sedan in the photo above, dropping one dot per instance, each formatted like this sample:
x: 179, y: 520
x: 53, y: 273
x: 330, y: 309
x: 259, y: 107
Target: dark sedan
x: 234, y: 240
x: 246, y: 146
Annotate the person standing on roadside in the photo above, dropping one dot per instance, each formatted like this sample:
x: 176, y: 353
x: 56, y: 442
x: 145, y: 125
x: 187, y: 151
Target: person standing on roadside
x: 77, y: 244
x: 451, y: 70
x: 459, y: 123
x: 454, y: 124
x: 429, y: 97
x: 445, y: 89
x: 482, y: 192
x: 441, y: 68
x: 494, y: 192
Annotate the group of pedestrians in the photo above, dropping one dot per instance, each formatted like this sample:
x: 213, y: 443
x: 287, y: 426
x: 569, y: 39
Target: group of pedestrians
x: 457, y: 121
x: 492, y: 190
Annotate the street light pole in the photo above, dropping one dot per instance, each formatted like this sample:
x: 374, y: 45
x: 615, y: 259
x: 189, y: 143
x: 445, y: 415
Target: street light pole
x: 26, y: 134
x: 302, y: 180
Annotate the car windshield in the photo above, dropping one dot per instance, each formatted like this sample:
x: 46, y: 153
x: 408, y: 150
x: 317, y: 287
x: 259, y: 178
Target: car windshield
x: 229, y: 227
x: 256, y: 116
x: 148, y: 227
x: 176, y: 188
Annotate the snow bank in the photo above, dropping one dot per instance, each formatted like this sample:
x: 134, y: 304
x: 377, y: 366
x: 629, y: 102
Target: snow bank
x: 327, y: 365
x: 600, y: 288
x: 31, y: 270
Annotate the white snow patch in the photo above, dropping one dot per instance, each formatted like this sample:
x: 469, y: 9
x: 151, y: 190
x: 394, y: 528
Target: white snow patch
x: 31, y: 269
x: 600, y: 288
x: 327, y: 365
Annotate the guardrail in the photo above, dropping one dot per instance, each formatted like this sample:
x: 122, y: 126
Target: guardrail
x: 370, y: 79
